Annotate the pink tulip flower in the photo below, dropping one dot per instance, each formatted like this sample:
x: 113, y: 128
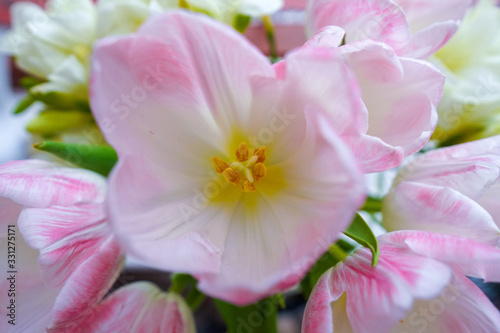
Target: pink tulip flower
x: 452, y: 190
x: 60, y: 212
x: 414, y: 29
x: 418, y: 285
x: 226, y: 172
x: 399, y: 95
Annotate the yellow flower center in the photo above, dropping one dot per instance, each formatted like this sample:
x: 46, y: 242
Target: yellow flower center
x: 246, y: 170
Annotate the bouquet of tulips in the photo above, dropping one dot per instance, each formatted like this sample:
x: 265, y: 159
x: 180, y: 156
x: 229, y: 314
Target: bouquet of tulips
x: 360, y: 169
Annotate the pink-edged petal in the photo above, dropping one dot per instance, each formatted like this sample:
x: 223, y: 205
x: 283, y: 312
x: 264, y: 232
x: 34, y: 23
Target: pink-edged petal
x: 461, y: 308
x: 318, y: 315
x: 139, y: 307
x: 388, y: 290
x: 168, y: 83
x: 87, y: 284
x: 77, y: 254
x: 416, y: 206
x: 375, y: 298
x: 362, y: 19
x: 472, y: 258
x: 42, y: 184
x: 470, y: 168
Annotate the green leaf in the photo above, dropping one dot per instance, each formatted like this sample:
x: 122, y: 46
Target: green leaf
x: 100, y: 159
x: 241, y: 22
x: 25, y: 103
x: 336, y: 253
x: 361, y: 233
x: 261, y: 317
x: 53, y: 122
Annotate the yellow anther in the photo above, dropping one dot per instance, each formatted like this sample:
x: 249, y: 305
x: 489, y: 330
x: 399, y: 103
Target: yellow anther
x: 232, y: 176
x: 242, y: 152
x: 248, y: 187
x: 259, y: 171
x: 261, y: 154
x: 219, y: 164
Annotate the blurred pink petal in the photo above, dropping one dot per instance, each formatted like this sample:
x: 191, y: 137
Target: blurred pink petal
x: 64, y: 218
x: 400, y: 96
x: 138, y: 307
x: 408, y: 290
x: 414, y: 29
x: 451, y: 190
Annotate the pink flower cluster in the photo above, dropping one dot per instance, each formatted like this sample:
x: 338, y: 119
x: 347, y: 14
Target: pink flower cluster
x: 242, y: 174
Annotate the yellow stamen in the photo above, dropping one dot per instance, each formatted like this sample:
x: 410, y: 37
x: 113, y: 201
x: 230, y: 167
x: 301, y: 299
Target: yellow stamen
x: 242, y: 152
x: 232, y: 176
x: 261, y: 154
x: 259, y: 171
x: 219, y: 164
x: 248, y: 187
x: 244, y: 171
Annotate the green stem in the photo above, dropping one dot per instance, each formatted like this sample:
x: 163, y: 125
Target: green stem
x: 337, y: 253
x: 372, y: 205
x: 255, y: 318
x: 270, y: 33
x: 194, y: 298
x: 180, y: 281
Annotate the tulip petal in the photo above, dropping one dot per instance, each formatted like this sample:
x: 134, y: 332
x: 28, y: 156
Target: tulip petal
x: 88, y: 283
x: 337, y: 93
x: 406, y: 116
x: 426, y: 42
x: 138, y: 307
x: 461, y: 308
x: 362, y: 19
x: 416, y: 206
x: 170, y: 222
x: 378, y: 297
x: 43, y: 184
x: 318, y: 315
x: 473, y: 258
x: 469, y: 168
x: 67, y: 223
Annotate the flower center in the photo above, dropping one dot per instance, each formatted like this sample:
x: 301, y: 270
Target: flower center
x: 246, y: 170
